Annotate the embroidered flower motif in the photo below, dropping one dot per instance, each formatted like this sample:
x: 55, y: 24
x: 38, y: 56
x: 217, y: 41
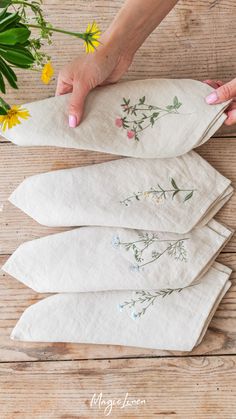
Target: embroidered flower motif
x: 119, y: 122
x: 149, y: 248
x: 142, y: 115
x: 146, y: 299
x: 130, y: 134
x: 115, y: 241
x: 120, y: 307
x: 159, y: 194
x: 134, y: 268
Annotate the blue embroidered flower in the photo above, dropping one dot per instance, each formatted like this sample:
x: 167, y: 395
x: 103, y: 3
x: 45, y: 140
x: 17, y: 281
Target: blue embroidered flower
x: 120, y: 307
x: 134, y: 315
x: 134, y: 268
x: 115, y: 241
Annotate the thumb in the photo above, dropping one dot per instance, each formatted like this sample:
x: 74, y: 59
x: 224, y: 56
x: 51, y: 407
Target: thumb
x: 223, y: 93
x: 76, y: 107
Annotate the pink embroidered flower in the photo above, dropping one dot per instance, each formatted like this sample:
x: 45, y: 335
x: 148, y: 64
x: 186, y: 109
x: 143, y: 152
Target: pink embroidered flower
x: 119, y: 122
x: 130, y: 134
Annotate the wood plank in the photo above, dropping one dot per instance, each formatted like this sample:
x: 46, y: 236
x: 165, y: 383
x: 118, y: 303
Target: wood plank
x: 197, y: 388
x: 17, y: 163
x: 193, y: 34
x: 15, y: 298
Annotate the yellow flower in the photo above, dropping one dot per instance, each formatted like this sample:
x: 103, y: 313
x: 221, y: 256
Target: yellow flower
x: 47, y: 73
x: 12, y: 117
x: 91, y: 37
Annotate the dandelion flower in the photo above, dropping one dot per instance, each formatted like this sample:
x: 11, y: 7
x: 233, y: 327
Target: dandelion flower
x: 91, y: 36
x: 13, y: 116
x: 47, y: 73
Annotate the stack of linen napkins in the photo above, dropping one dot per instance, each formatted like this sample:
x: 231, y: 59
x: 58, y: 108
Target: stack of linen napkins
x: 141, y: 271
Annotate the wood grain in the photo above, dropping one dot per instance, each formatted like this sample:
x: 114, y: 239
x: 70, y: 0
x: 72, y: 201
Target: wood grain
x: 15, y: 298
x: 17, y: 163
x: 196, y: 40
x: 197, y: 387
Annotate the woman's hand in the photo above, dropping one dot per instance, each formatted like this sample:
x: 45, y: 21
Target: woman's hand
x: 132, y: 25
x: 106, y: 65
x: 222, y: 93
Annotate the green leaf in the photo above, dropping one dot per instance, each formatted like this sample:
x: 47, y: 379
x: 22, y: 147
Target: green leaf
x: 173, y: 183
x: 4, y: 106
x: 4, y: 3
x: 6, y: 70
x: 18, y: 56
x: 2, y: 84
x: 155, y: 114
x: 3, y: 13
x: 3, y: 111
x: 14, y: 36
x: 170, y: 107
x: 188, y: 196
x: 10, y: 19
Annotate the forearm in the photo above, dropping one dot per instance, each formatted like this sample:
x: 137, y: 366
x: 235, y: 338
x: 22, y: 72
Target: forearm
x: 134, y: 23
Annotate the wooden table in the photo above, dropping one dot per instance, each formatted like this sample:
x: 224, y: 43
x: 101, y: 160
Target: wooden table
x: 197, y: 40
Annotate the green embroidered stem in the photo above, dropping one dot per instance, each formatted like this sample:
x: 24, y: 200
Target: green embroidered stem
x: 148, y: 299
x: 160, y: 192
x: 175, y: 248
x: 146, y: 113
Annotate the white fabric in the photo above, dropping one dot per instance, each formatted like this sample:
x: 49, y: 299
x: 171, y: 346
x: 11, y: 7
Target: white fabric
x: 176, y: 321
x: 100, y: 259
x: 172, y: 120
x: 132, y: 193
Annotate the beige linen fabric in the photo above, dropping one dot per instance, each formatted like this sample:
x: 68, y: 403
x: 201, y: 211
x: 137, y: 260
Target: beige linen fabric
x: 144, y: 118
x: 173, y: 195
x: 164, y: 319
x: 100, y: 259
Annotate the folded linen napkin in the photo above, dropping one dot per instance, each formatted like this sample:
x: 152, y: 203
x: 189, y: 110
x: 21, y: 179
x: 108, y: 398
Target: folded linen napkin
x: 171, y: 319
x: 143, y: 118
x: 173, y: 195
x: 103, y: 259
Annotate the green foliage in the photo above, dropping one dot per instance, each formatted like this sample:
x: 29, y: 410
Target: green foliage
x: 4, y: 3
x: 4, y: 107
x: 14, y: 50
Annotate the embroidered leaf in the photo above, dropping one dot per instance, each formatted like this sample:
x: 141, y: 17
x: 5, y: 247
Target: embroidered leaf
x: 170, y: 107
x: 142, y: 100
x: 175, y: 101
x: 188, y: 196
x: 174, y: 193
x: 173, y: 183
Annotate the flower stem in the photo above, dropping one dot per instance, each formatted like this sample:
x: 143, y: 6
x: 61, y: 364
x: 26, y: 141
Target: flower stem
x: 51, y: 29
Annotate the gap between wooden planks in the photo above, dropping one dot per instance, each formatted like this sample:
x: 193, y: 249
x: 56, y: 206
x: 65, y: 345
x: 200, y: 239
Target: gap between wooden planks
x: 197, y: 387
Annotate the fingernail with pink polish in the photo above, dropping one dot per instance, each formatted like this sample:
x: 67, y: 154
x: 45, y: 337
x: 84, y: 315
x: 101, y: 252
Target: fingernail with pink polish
x: 212, y: 98
x: 72, y: 121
